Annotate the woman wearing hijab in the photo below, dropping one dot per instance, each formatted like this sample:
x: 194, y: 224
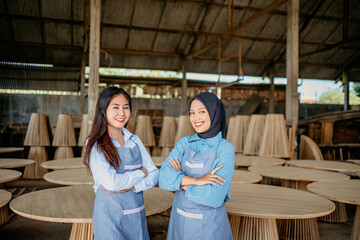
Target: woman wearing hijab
x: 199, y: 169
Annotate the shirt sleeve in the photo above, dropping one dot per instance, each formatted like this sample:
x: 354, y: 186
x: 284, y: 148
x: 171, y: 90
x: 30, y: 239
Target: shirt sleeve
x: 107, y: 176
x: 169, y: 178
x: 153, y: 173
x: 210, y: 195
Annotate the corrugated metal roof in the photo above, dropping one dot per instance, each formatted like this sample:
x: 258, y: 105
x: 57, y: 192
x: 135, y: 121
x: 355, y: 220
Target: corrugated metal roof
x: 157, y: 34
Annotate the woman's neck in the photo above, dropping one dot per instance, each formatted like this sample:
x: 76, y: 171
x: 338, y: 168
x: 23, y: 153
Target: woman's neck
x: 117, y: 135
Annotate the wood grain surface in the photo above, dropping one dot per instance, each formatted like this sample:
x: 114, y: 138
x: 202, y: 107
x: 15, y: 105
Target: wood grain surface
x: 75, y: 204
x: 266, y: 201
x: 335, y: 166
x: 10, y: 149
x: 15, y: 162
x: 247, y: 161
x: 79, y: 176
x: 297, y: 174
x: 340, y: 191
x: 245, y: 177
x: 5, y: 197
x: 7, y: 175
x: 60, y: 164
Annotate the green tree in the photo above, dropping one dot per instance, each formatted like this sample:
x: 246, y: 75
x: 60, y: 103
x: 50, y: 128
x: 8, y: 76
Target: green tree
x: 336, y: 96
x: 356, y: 87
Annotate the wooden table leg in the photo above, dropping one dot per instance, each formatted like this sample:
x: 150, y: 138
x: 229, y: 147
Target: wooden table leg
x: 338, y: 215
x: 249, y: 228
x: 306, y: 229
x: 4, y: 215
x: 355, y: 234
x: 82, y: 231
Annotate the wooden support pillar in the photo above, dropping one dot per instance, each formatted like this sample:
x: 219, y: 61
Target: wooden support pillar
x: 346, y: 91
x: 272, y: 94
x: 82, y: 83
x: 292, y: 61
x: 184, y: 90
x: 218, y: 89
x: 94, y: 57
x: 84, y: 55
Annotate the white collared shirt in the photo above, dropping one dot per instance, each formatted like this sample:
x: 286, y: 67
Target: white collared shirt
x: 106, y: 176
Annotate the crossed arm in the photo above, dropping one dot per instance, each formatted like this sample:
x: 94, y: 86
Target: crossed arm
x: 210, y: 178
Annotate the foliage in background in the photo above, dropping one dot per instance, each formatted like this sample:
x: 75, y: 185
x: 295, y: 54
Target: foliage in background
x: 356, y: 87
x: 336, y: 96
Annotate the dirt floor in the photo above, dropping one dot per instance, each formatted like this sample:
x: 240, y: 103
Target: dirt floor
x: 23, y: 228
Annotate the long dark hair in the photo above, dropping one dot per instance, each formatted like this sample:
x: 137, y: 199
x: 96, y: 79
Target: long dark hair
x: 99, y: 133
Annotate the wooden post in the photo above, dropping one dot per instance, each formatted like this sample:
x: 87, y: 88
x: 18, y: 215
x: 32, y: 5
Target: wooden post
x: 83, y: 59
x: 184, y: 90
x: 272, y: 93
x: 218, y: 92
x: 94, y: 57
x: 346, y: 90
x: 292, y: 61
x: 82, y: 83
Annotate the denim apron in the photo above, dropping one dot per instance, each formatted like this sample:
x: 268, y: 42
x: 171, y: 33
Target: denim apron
x: 121, y: 215
x: 190, y: 220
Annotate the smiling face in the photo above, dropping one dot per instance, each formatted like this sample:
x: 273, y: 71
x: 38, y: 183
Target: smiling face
x: 199, y: 116
x: 117, y: 113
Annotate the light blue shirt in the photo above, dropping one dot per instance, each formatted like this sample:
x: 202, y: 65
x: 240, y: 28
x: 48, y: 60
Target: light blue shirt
x: 106, y: 175
x: 209, y: 195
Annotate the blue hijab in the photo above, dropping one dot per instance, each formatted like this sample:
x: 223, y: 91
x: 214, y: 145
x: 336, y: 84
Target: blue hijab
x: 215, y: 108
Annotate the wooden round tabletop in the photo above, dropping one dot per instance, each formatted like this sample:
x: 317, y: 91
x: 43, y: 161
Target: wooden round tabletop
x: 340, y: 191
x: 245, y: 177
x: 247, y: 161
x: 75, y: 204
x: 10, y: 149
x: 335, y: 166
x: 15, y: 162
x: 7, y: 175
x: 158, y: 160
x: 69, y: 163
x: 266, y: 201
x: 79, y: 176
x: 298, y: 174
x: 5, y: 197
x: 355, y: 161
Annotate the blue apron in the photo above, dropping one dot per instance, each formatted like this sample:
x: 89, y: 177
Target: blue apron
x: 190, y: 220
x: 121, y: 215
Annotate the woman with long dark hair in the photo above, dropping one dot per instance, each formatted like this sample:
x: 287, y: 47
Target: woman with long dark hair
x: 199, y: 169
x: 121, y: 167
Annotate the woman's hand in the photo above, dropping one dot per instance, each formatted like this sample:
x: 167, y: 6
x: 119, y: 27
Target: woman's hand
x: 144, y: 171
x: 210, y: 178
x: 175, y: 164
x: 120, y: 191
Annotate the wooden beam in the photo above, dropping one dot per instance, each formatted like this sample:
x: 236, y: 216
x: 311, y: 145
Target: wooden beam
x: 184, y: 87
x: 238, y: 27
x: 311, y: 16
x: 164, y: 54
x: 331, y: 47
x: 254, y: 9
x: 256, y: 16
x: 94, y: 57
x: 164, y: 30
x: 84, y: 55
x: 346, y: 18
x: 292, y: 63
x: 346, y: 90
x: 272, y: 93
